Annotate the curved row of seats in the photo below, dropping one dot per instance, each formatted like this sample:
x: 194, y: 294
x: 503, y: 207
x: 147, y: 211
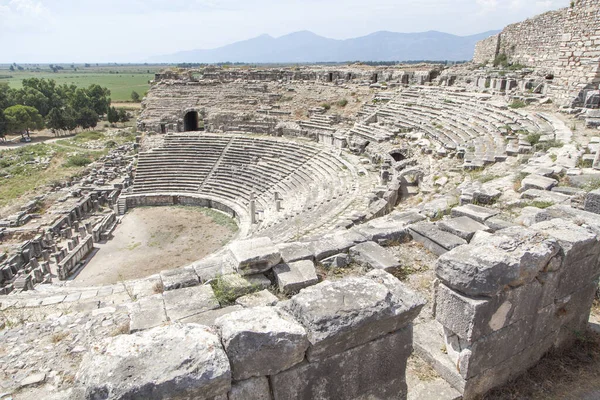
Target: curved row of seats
x: 311, y: 182
x: 472, y: 124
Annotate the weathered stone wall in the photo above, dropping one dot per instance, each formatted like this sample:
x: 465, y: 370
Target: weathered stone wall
x: 348, y: 339
x: 486, y: 50
x: 508, y: 298
x: 69, y: 263
x: 578, y: 68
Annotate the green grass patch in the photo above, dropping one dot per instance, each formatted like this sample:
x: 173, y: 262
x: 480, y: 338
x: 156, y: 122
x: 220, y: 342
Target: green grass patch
x: 78, y: 160
x: 517, y: 104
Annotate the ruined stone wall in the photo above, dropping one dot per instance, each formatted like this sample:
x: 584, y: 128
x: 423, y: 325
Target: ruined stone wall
x: 535, y: 41
x: 486, y: 50
x: 508, y: 298
x: 578, y: 68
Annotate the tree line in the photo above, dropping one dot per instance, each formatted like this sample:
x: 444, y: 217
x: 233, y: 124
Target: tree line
x: 42, y: 103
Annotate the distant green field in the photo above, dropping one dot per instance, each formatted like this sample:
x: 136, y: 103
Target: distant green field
x: 120, y: 80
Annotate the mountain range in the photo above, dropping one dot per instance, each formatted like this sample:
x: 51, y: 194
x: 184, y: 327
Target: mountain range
x: 308, y: 47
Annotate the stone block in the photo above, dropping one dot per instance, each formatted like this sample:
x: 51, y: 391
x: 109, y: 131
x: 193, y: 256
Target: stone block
x: 534, y: 181
x: 148, y: 365
x: 392, y: 228
x: 261, y: 341
x: 337, y: 261
x: 580, y: 251
x: 250, y: 389
x: 463, y: 227
x: 147, y: 313
x: 335, y: 243
x: 295, y: 251
x: 471, y: 319
x: 236, y: 285
x: 179, y: 278
x: 373, y: 255
x: 512, y: 256
x: 477, y: 213
x: 208, y: 318
x: 375, y: 370
x: 434, y: 239
x: 339, y: 315
x: 211, y: 267
x: 258, y: 299
x: 592, y: 201
x: 291, y: 277
x: 254, y: 256
x: 183, y: 303
x: 496, y: 224
x: 545, y: 196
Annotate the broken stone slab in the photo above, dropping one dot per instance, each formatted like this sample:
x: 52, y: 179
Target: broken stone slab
x: 149, y: 365
x: 261, y: 341
x: 295, y: 251
x: 183, y: 303
x: 373, y: 255
x: 392, y: 228
x: 545, y: 196
x: 438, y: 207
x: 337, y: 261
x: 375, y: 370
x: 513, y: 256
x: 534, y: 181
x: 147, y: 313
x: 211, y: 267
x: 339, y: 315
x: 463, y: 227
x: 179, y: 278
x: 208, y: 318
x: 339, y: 242
x: 477, y: 213
x: 253, y: 256
x: 291, y: 277
x: 258, y: 299
x: 33, y: 379
x: 582, y: 218
x: 434, y: 239
x: 251, y: 389
x: 592, y: 201
x: 235, y: 285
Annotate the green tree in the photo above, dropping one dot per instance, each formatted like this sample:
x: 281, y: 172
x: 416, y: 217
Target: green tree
x: 21, y: 117
x: 123, y: 117
x: 56, y: 120
x: 135, y: 96
x: 12, y: 68
x: 99, y: 98
x: 3, y: 125
x: 87, y: 118
x: 113, y: 115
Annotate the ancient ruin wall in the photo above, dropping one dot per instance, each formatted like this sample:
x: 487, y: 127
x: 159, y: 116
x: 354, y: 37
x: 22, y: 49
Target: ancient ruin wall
x: 579, y: 58
x: 487, y: 49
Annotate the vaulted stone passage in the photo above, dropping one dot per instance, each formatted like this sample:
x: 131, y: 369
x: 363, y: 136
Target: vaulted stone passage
x: 190, y: 121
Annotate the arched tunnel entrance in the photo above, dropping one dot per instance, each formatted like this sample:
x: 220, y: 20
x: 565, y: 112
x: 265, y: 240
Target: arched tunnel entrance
x: 190, y: 122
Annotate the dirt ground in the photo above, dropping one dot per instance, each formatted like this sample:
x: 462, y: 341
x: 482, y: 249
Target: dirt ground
x: 152, y: 239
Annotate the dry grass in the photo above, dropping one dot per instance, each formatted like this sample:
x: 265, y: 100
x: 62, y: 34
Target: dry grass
x: 421, y: 369
x: 122, y: 329
x: 570, y: 374
x: 57, y: 337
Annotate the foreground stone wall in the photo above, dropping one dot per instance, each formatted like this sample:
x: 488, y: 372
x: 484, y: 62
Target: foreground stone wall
x: 348, y: 339
x: 506, y: 299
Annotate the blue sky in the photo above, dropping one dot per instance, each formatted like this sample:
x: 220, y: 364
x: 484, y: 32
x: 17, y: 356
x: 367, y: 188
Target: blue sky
x: 131, y: 30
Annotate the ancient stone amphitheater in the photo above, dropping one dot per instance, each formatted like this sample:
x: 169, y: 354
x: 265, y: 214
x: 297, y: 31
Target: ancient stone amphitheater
x: 449, y: 211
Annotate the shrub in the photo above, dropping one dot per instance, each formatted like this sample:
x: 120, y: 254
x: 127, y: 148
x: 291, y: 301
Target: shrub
x: 342, y: 103
x: 517, y: 104
x: 326, y: 106
x: 78, y: 160
x: 501, y: 60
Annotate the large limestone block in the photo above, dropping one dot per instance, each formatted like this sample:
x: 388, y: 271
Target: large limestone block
x: 373, y: 255
x: 391, y: 228
x: 375, y: 370
x: 149, y: 365
x: 434, y: 239
x: 592, y: 201
x: 339, y: 315
x: 580, y: 250
x: 183, y: 303
x: 254, y: 256
x: 147, y: 313
x: 478, y: 213
x: 335, y: 243
x: 578, y: 217
x: 251, y: 389
x: 534, y: 181
x: 472, y: 318
x: 258, y: 299
x: 208, y: 318
x: 291, y: 277
x: 513, y: 256
x: 295, y: 251
x: 463, y: 227
x: 261, y: 341
x: 179, y: 278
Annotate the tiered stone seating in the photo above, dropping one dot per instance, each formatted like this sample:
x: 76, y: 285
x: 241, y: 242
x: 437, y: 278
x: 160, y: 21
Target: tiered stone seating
x: 456, y: 121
